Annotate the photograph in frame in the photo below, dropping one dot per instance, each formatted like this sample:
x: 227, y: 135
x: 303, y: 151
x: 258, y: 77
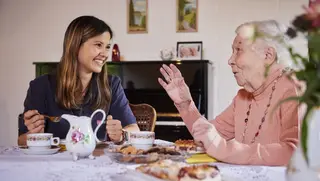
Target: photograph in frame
x: 189, y: 50
x: 137, y: 16
x: 187, y: 16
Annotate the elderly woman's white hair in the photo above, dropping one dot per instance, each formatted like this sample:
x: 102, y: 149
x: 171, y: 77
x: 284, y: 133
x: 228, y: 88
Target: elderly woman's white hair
x: 274, y: 29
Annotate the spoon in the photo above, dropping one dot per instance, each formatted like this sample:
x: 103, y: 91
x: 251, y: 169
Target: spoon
x: 51, y: 118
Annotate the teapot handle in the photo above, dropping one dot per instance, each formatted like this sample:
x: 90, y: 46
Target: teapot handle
x: 99, y: 125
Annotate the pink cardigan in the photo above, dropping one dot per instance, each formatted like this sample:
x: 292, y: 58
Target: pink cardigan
x: 278, y: 136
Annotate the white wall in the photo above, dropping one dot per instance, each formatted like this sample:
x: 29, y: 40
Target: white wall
x: 33, y: 31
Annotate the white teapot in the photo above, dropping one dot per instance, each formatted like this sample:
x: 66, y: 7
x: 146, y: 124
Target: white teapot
x: 81, y: 140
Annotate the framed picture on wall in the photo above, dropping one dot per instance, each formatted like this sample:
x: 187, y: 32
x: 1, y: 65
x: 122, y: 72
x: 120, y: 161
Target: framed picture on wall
x: 191, y: 50
x: 137, y: 16
x: 187, y: 16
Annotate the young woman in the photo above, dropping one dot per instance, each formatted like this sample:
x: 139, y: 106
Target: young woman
x: 80, y: 85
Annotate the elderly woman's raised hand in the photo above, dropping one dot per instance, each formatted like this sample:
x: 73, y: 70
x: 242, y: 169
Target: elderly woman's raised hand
x: 174, y: 84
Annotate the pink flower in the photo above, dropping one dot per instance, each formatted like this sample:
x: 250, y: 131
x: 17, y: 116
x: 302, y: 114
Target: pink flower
x: 77, y: 136
x: 313, y: 13
x: 316, y: 22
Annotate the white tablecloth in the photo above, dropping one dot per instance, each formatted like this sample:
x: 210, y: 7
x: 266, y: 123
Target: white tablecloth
x: 15, y: 165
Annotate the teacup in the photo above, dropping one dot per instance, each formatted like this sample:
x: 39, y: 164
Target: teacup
x: 42, y: 141
x: 142, y: 139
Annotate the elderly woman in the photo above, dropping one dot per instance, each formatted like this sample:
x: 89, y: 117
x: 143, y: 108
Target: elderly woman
x: 248, y: 131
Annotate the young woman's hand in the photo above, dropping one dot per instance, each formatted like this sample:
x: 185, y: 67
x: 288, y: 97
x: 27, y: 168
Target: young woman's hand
x: 34, y: 121
x: 114, y: 129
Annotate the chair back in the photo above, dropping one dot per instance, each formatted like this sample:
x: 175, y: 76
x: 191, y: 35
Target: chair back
x: 146, y: 116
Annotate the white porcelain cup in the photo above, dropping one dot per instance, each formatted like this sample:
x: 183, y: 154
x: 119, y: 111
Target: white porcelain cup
x: 142, y: 139
x: 42, y: 141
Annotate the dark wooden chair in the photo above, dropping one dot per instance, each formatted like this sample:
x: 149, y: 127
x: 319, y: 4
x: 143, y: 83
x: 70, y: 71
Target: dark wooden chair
x: 146, y: 116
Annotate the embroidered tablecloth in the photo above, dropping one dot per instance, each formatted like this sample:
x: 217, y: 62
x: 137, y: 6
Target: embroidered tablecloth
x: 15, y: 165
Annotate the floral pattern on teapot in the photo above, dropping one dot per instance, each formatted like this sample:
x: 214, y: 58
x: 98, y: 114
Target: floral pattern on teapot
x: 77, y: 136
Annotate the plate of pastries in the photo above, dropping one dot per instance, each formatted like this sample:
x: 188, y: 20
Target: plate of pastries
x: 178, y: 151
x: 188, y: 146
x: 129, y: 154
x: 180, y: 171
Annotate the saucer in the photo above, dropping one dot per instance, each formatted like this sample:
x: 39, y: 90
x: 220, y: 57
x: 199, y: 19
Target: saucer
x: 50, y: 151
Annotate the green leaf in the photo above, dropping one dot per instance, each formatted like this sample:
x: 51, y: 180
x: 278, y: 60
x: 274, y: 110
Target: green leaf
x: 86, y: 139
x: 304, y: 138
x: 309, y: 94
x: 267, y: 70
x: 314, y: 47
x: 296, y: 57
x: 294, y: 98
x: 295, y: 61
x: 307, y: 75
x: 304, y: 133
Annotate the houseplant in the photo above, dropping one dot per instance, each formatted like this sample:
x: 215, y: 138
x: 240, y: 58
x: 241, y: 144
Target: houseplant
x: 305, y: 158
x: 307, y: 25
x: 305, y: 162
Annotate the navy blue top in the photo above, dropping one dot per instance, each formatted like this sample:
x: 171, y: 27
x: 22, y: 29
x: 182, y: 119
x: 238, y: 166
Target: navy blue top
x: 41, y: 97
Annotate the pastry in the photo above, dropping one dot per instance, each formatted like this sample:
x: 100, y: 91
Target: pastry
x: 130, y: 154
x: 187, y: 145
x: 199, y: 172
x: 179, y: 171
x: 128, y: 150
x: 163, y: 169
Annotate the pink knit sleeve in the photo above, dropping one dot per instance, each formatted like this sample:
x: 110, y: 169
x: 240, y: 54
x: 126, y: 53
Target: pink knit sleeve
x: 189, y: 114
x: 224, y: 122
x: 262, y: 154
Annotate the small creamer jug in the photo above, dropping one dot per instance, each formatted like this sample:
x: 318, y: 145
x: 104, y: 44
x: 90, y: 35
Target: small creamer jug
x: 81, y: 140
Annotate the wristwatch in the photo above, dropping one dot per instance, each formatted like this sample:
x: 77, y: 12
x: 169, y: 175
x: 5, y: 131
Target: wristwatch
x: 125, y: 137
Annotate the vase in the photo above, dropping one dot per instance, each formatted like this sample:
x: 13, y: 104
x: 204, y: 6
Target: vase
x: 299, y: 168
x: 167, y: 54
x: 115, y: 53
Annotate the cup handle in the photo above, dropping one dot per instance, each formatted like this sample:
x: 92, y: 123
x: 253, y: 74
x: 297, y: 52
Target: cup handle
x: 99, y: 125
x: 55, y: 139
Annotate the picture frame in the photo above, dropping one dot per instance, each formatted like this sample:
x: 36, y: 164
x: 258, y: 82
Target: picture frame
x: 137, y: 16
x: 189, y: 50
x: 187, y: 16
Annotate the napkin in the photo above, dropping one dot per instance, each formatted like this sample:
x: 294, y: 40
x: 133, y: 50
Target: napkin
x: 200, y: 158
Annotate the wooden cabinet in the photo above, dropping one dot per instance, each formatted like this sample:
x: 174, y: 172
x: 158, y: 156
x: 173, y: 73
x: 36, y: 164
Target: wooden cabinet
x: 140, y: 84
x: 48, y: 67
